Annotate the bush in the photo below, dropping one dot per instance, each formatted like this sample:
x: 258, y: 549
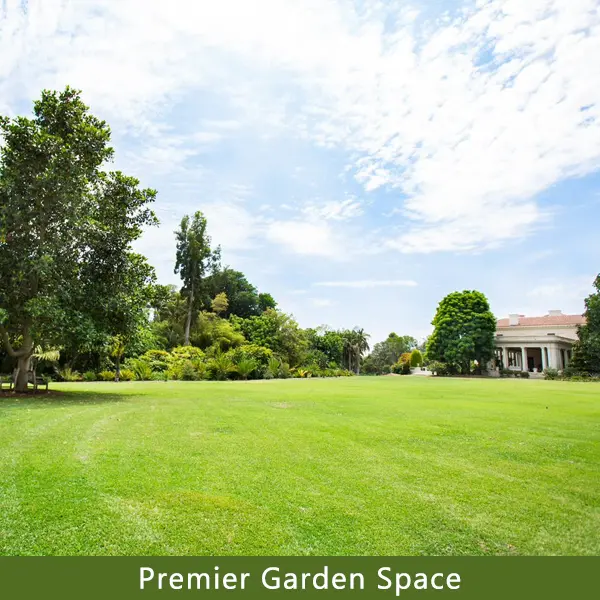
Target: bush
x: 90, y: 376
x: 158, y: 360
x: 274, y: 368
x: 246, y: 366
x: 438, y: 368
x: 68, y: 374
x: 189, y: 372
x: 221, y: 367
x: 259, y: 354
x: 284, y: 371
x: 106, y: 376
x: 141, y: 369
x: 525, y: 374
x: 126, y: 375
x: 416, y: 358
x: 550, y: 374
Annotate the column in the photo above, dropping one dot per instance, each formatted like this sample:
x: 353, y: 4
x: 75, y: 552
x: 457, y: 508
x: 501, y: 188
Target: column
x: 544, y: 365
x: 505, y: 357
x: 524, y: 366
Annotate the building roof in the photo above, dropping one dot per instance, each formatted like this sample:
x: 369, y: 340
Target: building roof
x: 546, y: 321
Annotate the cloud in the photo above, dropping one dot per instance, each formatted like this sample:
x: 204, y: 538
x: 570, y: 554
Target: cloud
x: 305, y: 238
x: 466, y: 118
x: 322, y: 302
x: 336, y: 211
x: 367, y: 283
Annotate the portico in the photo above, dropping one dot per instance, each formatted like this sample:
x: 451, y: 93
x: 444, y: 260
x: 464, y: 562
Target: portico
x: 533, y: 355
x: 533, y: 344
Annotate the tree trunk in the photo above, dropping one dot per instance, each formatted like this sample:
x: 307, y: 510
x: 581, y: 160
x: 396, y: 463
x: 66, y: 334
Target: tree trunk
x: 22, y: 374
x: 188, y: 324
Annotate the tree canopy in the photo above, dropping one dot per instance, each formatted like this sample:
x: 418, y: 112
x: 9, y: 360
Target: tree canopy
x: 587, y: 351
x: 464, y: 331
x: 66, y: 227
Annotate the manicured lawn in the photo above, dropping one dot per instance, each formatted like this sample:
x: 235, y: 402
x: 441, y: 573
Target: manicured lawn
x: 375, y: 466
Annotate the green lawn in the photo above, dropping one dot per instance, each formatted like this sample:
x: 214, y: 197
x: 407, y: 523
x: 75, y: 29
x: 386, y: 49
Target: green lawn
x: 358, y: 466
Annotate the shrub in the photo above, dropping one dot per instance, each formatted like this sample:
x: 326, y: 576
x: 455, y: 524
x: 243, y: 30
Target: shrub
x: 160, y: 376
x: 525, y: 374
x: 189, y: 372
x: 183, y: 353
x: 126, y: 375
x: 274, y: 368
x: 221, y: 367
x: 106, y: 376
x: 141, y: 369
x: 284, y: 371
x: 68, y: 374
x: 158, y: 360
x: 416, y: 358
x: 259, y: 354
x: 90, y: 376
x: 438, y: 368
x: 550, y: 374
x: 405, y: 358
x: 246, y: 366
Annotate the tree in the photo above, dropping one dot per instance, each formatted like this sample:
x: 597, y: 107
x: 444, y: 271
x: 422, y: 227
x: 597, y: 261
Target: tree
x: 220, y: 303
x: 355, y: 345
x: 278, y: 332
x: 66, y: 228
x: 416, y: 358
x: 464, y: 330
x: 586, y: 356
x: 387, y: 353
x: 244, y: 299
x: 266, y: 301
x: 194, y: 260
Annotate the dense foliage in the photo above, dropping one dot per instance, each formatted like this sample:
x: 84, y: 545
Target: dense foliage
x: 464, y: 331
x: 69, y: 276
x: 587, y: 351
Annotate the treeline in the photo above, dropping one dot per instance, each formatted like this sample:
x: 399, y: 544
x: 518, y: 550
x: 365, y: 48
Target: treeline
x: 77, y: 301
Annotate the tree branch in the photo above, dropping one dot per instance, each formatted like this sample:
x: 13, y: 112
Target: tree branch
x: 11, y: 351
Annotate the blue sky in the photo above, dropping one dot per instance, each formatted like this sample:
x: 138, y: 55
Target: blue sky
x: 357, y: 159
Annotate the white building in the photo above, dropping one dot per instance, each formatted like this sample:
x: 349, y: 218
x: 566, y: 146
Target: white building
x: 535, y: 343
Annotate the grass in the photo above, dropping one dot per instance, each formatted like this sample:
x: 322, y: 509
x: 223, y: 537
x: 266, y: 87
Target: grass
x: 359, y: 466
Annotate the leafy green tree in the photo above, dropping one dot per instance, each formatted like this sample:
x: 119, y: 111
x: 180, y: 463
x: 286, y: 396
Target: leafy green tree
x: 194, y: 260
x: 325, y: 347
x: 464, y: 331
x: 66, y: 228
x: 266, y: 301
x: 355, y: 345
x: 416, y: 358
x: 586, y: 356
x: 278, y: 332
x: 211, y: 331
x: 220, y: 303
x: 387, y: 353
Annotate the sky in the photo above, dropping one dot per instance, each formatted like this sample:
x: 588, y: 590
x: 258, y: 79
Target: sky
x: 358, y: 159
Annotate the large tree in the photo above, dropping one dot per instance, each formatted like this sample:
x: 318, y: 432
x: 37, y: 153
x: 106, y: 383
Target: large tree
x: 66, y: 228
x: 587, y: 351
x: 194, y: 261
x: 387, y: 353
x: 464, y: 331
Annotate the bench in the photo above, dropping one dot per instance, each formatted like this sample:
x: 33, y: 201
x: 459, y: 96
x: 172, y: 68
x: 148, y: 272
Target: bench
x: 31, y: 379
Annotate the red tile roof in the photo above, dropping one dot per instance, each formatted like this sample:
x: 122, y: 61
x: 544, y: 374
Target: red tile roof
x: 544, y: 321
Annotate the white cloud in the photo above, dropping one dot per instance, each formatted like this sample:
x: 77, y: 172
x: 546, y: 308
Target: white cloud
x: 335, y: 211
x: 468, y: 118
x: 322, y: 302
x: 367, y: 283
x: 306, y: 238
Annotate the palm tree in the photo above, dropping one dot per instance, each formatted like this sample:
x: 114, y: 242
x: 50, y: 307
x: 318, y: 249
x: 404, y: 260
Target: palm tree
x: 355, y: 345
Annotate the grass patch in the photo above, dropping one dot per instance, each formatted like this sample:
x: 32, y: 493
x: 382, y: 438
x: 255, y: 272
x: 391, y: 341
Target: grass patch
x: 359, y: 466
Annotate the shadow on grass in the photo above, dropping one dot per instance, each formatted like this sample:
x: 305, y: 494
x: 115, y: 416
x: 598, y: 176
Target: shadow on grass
x: 43, y: 399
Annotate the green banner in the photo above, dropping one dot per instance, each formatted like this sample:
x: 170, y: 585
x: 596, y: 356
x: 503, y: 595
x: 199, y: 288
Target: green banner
x: 461, y: 578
